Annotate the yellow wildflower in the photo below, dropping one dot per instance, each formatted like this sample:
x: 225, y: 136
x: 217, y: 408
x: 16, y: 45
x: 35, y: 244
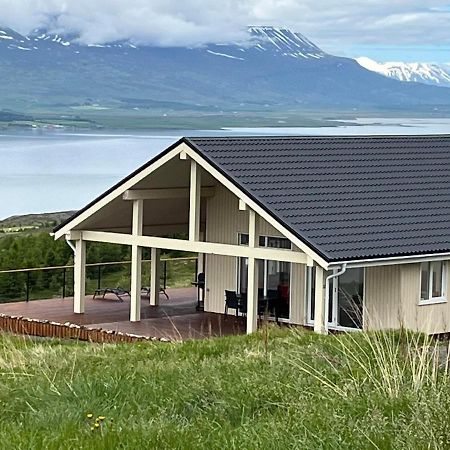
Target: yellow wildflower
x: 96, y: 425
x: 101, y: 417
x: 90, y: 415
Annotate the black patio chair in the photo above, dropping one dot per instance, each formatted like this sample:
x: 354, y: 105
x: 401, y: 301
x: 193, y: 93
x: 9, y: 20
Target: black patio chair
x: 262, y: 305
x: 231, y: 301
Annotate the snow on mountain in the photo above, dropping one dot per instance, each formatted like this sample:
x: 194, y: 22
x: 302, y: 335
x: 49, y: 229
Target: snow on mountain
x: 41, y: 39
x: 261, y: 39
x: 283, y: 41
x: 418, y: 72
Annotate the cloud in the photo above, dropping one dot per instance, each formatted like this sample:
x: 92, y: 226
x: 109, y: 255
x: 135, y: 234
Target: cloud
x: 195, y: 22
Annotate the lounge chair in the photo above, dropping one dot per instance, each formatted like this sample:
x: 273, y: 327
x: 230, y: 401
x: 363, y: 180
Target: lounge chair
x: 118, y: 292
x: 146, y: 291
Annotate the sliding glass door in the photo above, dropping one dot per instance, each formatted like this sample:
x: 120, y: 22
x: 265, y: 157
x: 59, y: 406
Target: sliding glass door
x: 273, y: 277
x: 346, y: 294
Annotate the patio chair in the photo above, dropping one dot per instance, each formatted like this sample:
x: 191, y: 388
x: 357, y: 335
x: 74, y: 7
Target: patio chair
x: 262, y: 305
x: 146, y: 291
x: 118, y: 292
x: 231, y: 301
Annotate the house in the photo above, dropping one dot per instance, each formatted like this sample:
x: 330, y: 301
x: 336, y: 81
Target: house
x: 347, y: 232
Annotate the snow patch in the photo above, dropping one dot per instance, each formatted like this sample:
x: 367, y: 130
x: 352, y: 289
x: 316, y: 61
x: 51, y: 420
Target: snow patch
x: 224, y: 55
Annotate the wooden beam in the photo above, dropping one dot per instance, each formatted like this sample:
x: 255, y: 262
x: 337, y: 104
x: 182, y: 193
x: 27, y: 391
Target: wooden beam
x: 165, y: 193
x: 242, y: 205
x: 79, y: 277
x: 117, y: 192
x: 252, y: 275
x: 196, y: 247
x: 155, y: 276
x: 194, y: 203
x: 136, y: 262
x: 319, y: 303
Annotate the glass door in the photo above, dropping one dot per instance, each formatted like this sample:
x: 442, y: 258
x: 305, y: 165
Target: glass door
x: 273, y: 277
x: 350, y: 299
x: 346, y: 292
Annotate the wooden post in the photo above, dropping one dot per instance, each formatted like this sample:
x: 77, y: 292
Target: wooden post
x: 79, y: 277
x: 155, y: 277
x: 194, y: 203
x: 252, y: 287
x: 319, y: 303
x: 136, y: 263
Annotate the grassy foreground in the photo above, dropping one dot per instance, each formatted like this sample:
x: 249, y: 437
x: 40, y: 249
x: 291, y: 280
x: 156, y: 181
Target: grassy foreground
x: 277, y: 389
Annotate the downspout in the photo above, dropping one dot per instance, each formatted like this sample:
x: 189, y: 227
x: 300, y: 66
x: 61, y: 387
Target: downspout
x: 327, y: 291
x: 70, y: 244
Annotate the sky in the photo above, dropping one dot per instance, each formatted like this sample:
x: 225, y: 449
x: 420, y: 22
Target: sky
x: 386, y: 30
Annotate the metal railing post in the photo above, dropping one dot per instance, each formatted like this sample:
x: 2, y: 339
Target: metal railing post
x: 99, y: 276
x: 64, y: 283
x: 28, y: 286
x: 165, y: 274
x: 196, y: 270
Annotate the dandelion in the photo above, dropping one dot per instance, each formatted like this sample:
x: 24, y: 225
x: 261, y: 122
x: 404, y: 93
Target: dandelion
x: 92, y: 428
x: 90, y: 416
x: 101, y: 418
x: 96, y: 425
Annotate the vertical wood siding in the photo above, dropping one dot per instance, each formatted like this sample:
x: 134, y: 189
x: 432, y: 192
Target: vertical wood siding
x: 298, y: 290
x: 392, y: 300
x: 381, y: 297
x: 224, y: 222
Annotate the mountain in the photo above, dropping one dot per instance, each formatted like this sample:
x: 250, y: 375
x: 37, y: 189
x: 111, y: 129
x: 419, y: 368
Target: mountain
x: 433, y: 74
x: 274, y: 69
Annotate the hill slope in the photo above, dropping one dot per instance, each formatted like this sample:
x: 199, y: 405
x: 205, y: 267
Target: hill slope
x: 275, y: 391
x: 274, y: 69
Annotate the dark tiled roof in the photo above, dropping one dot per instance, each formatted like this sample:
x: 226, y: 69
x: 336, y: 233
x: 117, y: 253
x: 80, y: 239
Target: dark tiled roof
x: 347, y: 197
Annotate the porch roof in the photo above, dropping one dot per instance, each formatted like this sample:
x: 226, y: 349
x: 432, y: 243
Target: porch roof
x: 347, y: 198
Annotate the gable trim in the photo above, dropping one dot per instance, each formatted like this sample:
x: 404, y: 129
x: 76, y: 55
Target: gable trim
x: 118, y: 189
x: 192, y: 151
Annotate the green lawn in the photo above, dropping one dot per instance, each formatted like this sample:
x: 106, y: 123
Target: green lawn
x: 277, y: 389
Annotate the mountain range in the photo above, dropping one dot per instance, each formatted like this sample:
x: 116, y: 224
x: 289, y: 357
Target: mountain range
x: 434, y: 74
x: 275, y: 69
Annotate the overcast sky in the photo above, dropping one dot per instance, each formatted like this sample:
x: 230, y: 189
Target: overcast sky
x: 383, y: 29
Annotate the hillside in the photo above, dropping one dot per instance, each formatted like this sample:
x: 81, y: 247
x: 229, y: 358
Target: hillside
x: 30, y: 222
x: 277, y: 389
x: 275, y: 69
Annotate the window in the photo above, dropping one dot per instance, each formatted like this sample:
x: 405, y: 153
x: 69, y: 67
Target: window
x: 273, y: 276
x: 432, y: 282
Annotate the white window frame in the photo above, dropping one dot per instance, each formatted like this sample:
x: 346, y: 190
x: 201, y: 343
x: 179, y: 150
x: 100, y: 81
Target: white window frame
x: 238, y: 271
x: 433, y: 300
x: 333, y: 325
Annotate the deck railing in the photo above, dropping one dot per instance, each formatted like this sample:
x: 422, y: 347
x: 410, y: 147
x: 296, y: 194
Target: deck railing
x: 57, y: 281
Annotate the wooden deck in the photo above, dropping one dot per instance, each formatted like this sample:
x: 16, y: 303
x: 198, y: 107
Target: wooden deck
x: 175, y: 318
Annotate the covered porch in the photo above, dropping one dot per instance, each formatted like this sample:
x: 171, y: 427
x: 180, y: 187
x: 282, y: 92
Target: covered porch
x: 181, y: 202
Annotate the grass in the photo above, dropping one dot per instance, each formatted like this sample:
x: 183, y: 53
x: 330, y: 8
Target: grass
x: 277, y: 389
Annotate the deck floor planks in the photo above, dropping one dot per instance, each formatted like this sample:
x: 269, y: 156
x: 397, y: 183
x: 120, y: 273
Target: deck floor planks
x: 175, y: 318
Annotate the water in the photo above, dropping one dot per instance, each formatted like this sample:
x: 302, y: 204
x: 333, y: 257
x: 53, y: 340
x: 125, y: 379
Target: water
x: 57, y: 171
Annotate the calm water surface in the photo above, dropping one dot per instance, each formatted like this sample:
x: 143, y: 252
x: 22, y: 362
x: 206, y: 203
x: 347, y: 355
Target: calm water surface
x: 56, y: 171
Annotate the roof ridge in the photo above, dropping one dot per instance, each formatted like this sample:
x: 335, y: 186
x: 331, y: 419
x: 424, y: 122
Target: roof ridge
x: 320, y: 137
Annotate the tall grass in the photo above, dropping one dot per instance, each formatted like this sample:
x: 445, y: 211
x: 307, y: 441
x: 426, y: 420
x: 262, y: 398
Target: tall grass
x: 276, y: 389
